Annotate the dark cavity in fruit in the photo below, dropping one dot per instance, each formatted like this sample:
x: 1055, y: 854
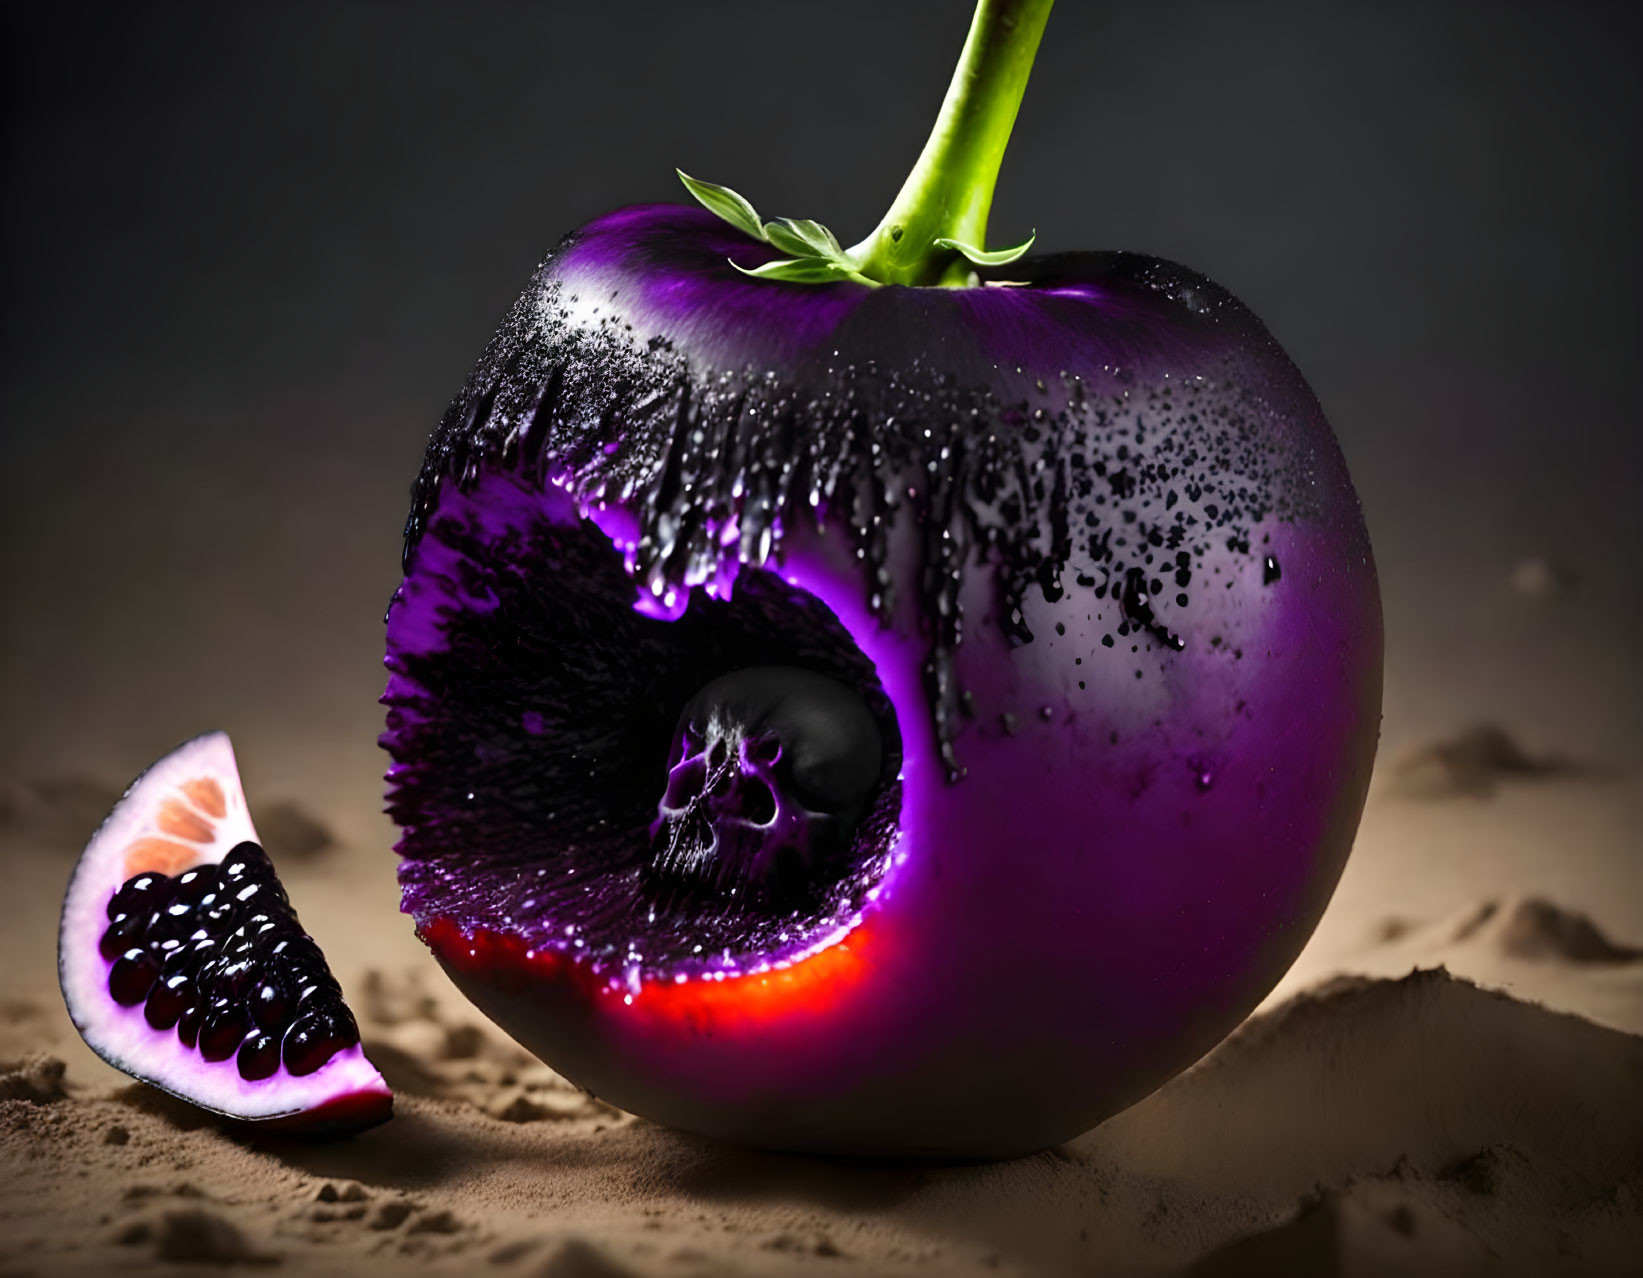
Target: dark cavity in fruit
x: 541, y: 788
x: 217, y: 952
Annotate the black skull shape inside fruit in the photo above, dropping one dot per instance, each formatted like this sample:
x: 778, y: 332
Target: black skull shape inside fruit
x: 772, y: 769
x: 896, y: 700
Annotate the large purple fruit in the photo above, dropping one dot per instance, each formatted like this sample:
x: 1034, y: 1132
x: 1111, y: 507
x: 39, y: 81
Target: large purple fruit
x: 183, y: 964
x: 896, y: 700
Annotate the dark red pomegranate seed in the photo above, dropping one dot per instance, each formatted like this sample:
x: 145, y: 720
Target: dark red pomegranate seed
x: 122, y: 934
x: 188, y: 1024
x: 222, y: 1030
x: 259, y: 1056
x: 246, y: 863
x: 195, y: 885
x: 167, y: 1000
x: 317, y: 1036
x: 271, y: 1007
x: 132, y: 976
x: 140, y: 894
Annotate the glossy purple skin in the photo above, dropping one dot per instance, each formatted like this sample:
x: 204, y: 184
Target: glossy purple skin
x: 1142, y: 841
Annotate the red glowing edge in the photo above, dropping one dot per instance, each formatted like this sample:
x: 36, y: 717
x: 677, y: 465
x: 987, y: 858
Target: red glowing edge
x: 811, y: 985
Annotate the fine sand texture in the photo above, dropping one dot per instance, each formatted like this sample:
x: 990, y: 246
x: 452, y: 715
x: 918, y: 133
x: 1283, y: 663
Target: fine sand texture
x: 1449, y: 1081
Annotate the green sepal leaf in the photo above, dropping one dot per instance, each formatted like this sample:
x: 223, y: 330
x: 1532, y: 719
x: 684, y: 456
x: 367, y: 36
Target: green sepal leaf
x: 998, y: 257
x: 802, y: 270
x: 802, y: 237
x: 722, y: 202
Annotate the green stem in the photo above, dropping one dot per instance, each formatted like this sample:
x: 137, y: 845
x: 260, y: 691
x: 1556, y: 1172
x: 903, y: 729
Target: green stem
x: 949, y: 193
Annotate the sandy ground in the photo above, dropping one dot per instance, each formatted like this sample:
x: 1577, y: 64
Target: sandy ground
x: 1448, y: 1081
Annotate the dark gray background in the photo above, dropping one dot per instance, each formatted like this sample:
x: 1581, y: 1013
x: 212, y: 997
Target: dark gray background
x: 250, y: 251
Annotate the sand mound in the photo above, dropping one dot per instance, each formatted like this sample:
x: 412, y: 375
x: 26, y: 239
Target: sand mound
x: 1370, y: 1228
x: 1501, y: 1129
x: 575, y: 1258
x: 1533, y: 948
x: 36, y: 1078
x: 395, y: 998
x: 290, y: 832
x: 1473, y: 763
x: 55, y: 812
x: 1534, y: 928
x: 193, y: 1236
x: 1427, y: 1069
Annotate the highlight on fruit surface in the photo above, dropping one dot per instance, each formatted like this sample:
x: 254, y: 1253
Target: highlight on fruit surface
x: 183, y: 964
x: 902, y: 699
